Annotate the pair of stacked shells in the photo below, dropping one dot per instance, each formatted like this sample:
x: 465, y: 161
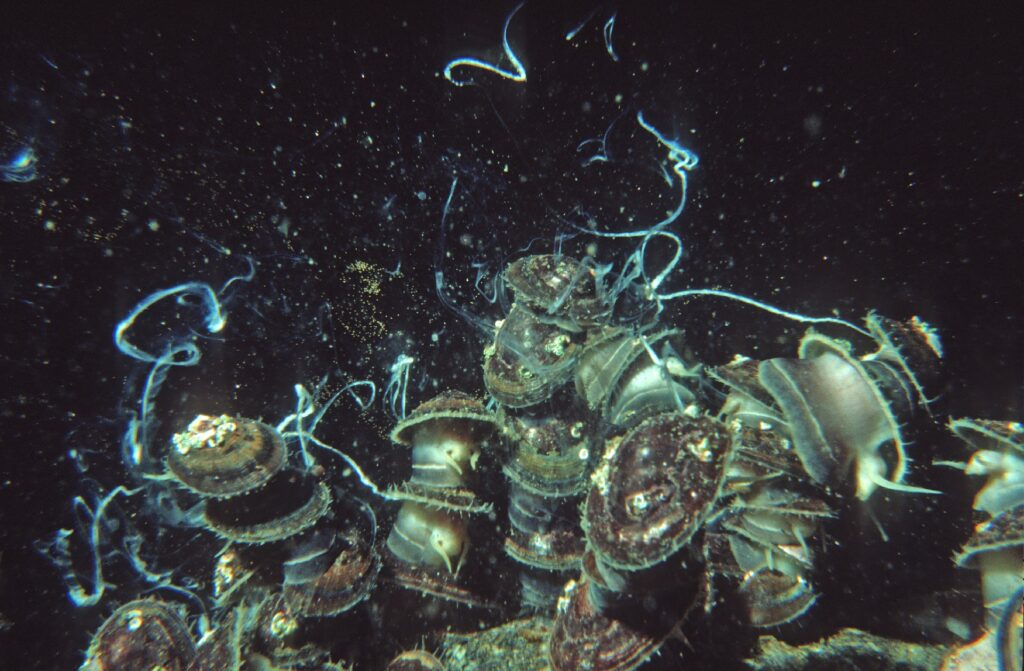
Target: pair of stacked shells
x: 256, y: 501
x: 996, y: 548
x: 822, y: 420
x: 650, y: 498
x: 429, y: 540
x: 534, y: 354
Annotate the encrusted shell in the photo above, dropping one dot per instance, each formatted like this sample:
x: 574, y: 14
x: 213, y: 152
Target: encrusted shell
x: 287, y: 506
x: 347, y: 581
x: 141, y: 636
x: 528, y: 360
x: 655, y: 488
x: 560, y: 289
x: 450, y: 411
x: 226, y: 456
x: 584, y: 638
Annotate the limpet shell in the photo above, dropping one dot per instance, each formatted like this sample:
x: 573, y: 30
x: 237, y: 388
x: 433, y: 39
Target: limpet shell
x: 559, y: 289
x: 140, y: 636
x: 654, y: 489
x: 241, y: 460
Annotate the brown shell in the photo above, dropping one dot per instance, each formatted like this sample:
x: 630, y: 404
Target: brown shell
x: 415, y: 660
x: 348, y: 580
x: 655, y: 489
x: 558, y: 549
x: 528, y: 360
x: 558, y: 288
x: 550, y: 457
x: 432, y: 583
x: 246, y: 460
x: 464, y: 414
x: 585, y: 638
x: 287, y: 506
x: 774, y: 598
x: 140, y: 636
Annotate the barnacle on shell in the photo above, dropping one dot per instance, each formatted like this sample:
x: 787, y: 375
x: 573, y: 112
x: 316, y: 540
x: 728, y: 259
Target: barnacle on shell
x: 226, y: 456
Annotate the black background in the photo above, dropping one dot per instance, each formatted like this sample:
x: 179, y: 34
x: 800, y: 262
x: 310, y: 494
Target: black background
x: 312, y: 139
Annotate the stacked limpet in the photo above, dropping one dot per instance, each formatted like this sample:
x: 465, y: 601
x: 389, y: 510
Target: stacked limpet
x: 238, y: 466
x: 546, y: 475
x: 840, y: 410
x: 534, y: 355
x: 618, y: 379
x: 262, y: 506
x: 770, y: 516
x: 430, y: 536
x: 819, y: 420
x: 996, y: 548
x: 330, y: 574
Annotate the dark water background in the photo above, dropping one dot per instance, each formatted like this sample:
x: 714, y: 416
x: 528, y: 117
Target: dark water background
x: 312, y: 140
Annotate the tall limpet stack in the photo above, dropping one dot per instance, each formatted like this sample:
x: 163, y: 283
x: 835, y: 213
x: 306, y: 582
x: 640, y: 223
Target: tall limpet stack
x: 266, y: 508
x: 533, y: 357
x: 996, y: 548
x: 430, y: 539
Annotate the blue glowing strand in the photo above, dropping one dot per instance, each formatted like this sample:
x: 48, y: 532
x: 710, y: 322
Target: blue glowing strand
x: 517, y: 74
x: 764, y: 306
x: 683, y: 161
x: 215, y: 320
x: 21, y: 168
x: 304, y: 407
x: 569, y: 36
x: 609, y: 26
x: 398, y: 385
x: 136, y: 442
x: 89, y: 592
x: 439, y: 255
